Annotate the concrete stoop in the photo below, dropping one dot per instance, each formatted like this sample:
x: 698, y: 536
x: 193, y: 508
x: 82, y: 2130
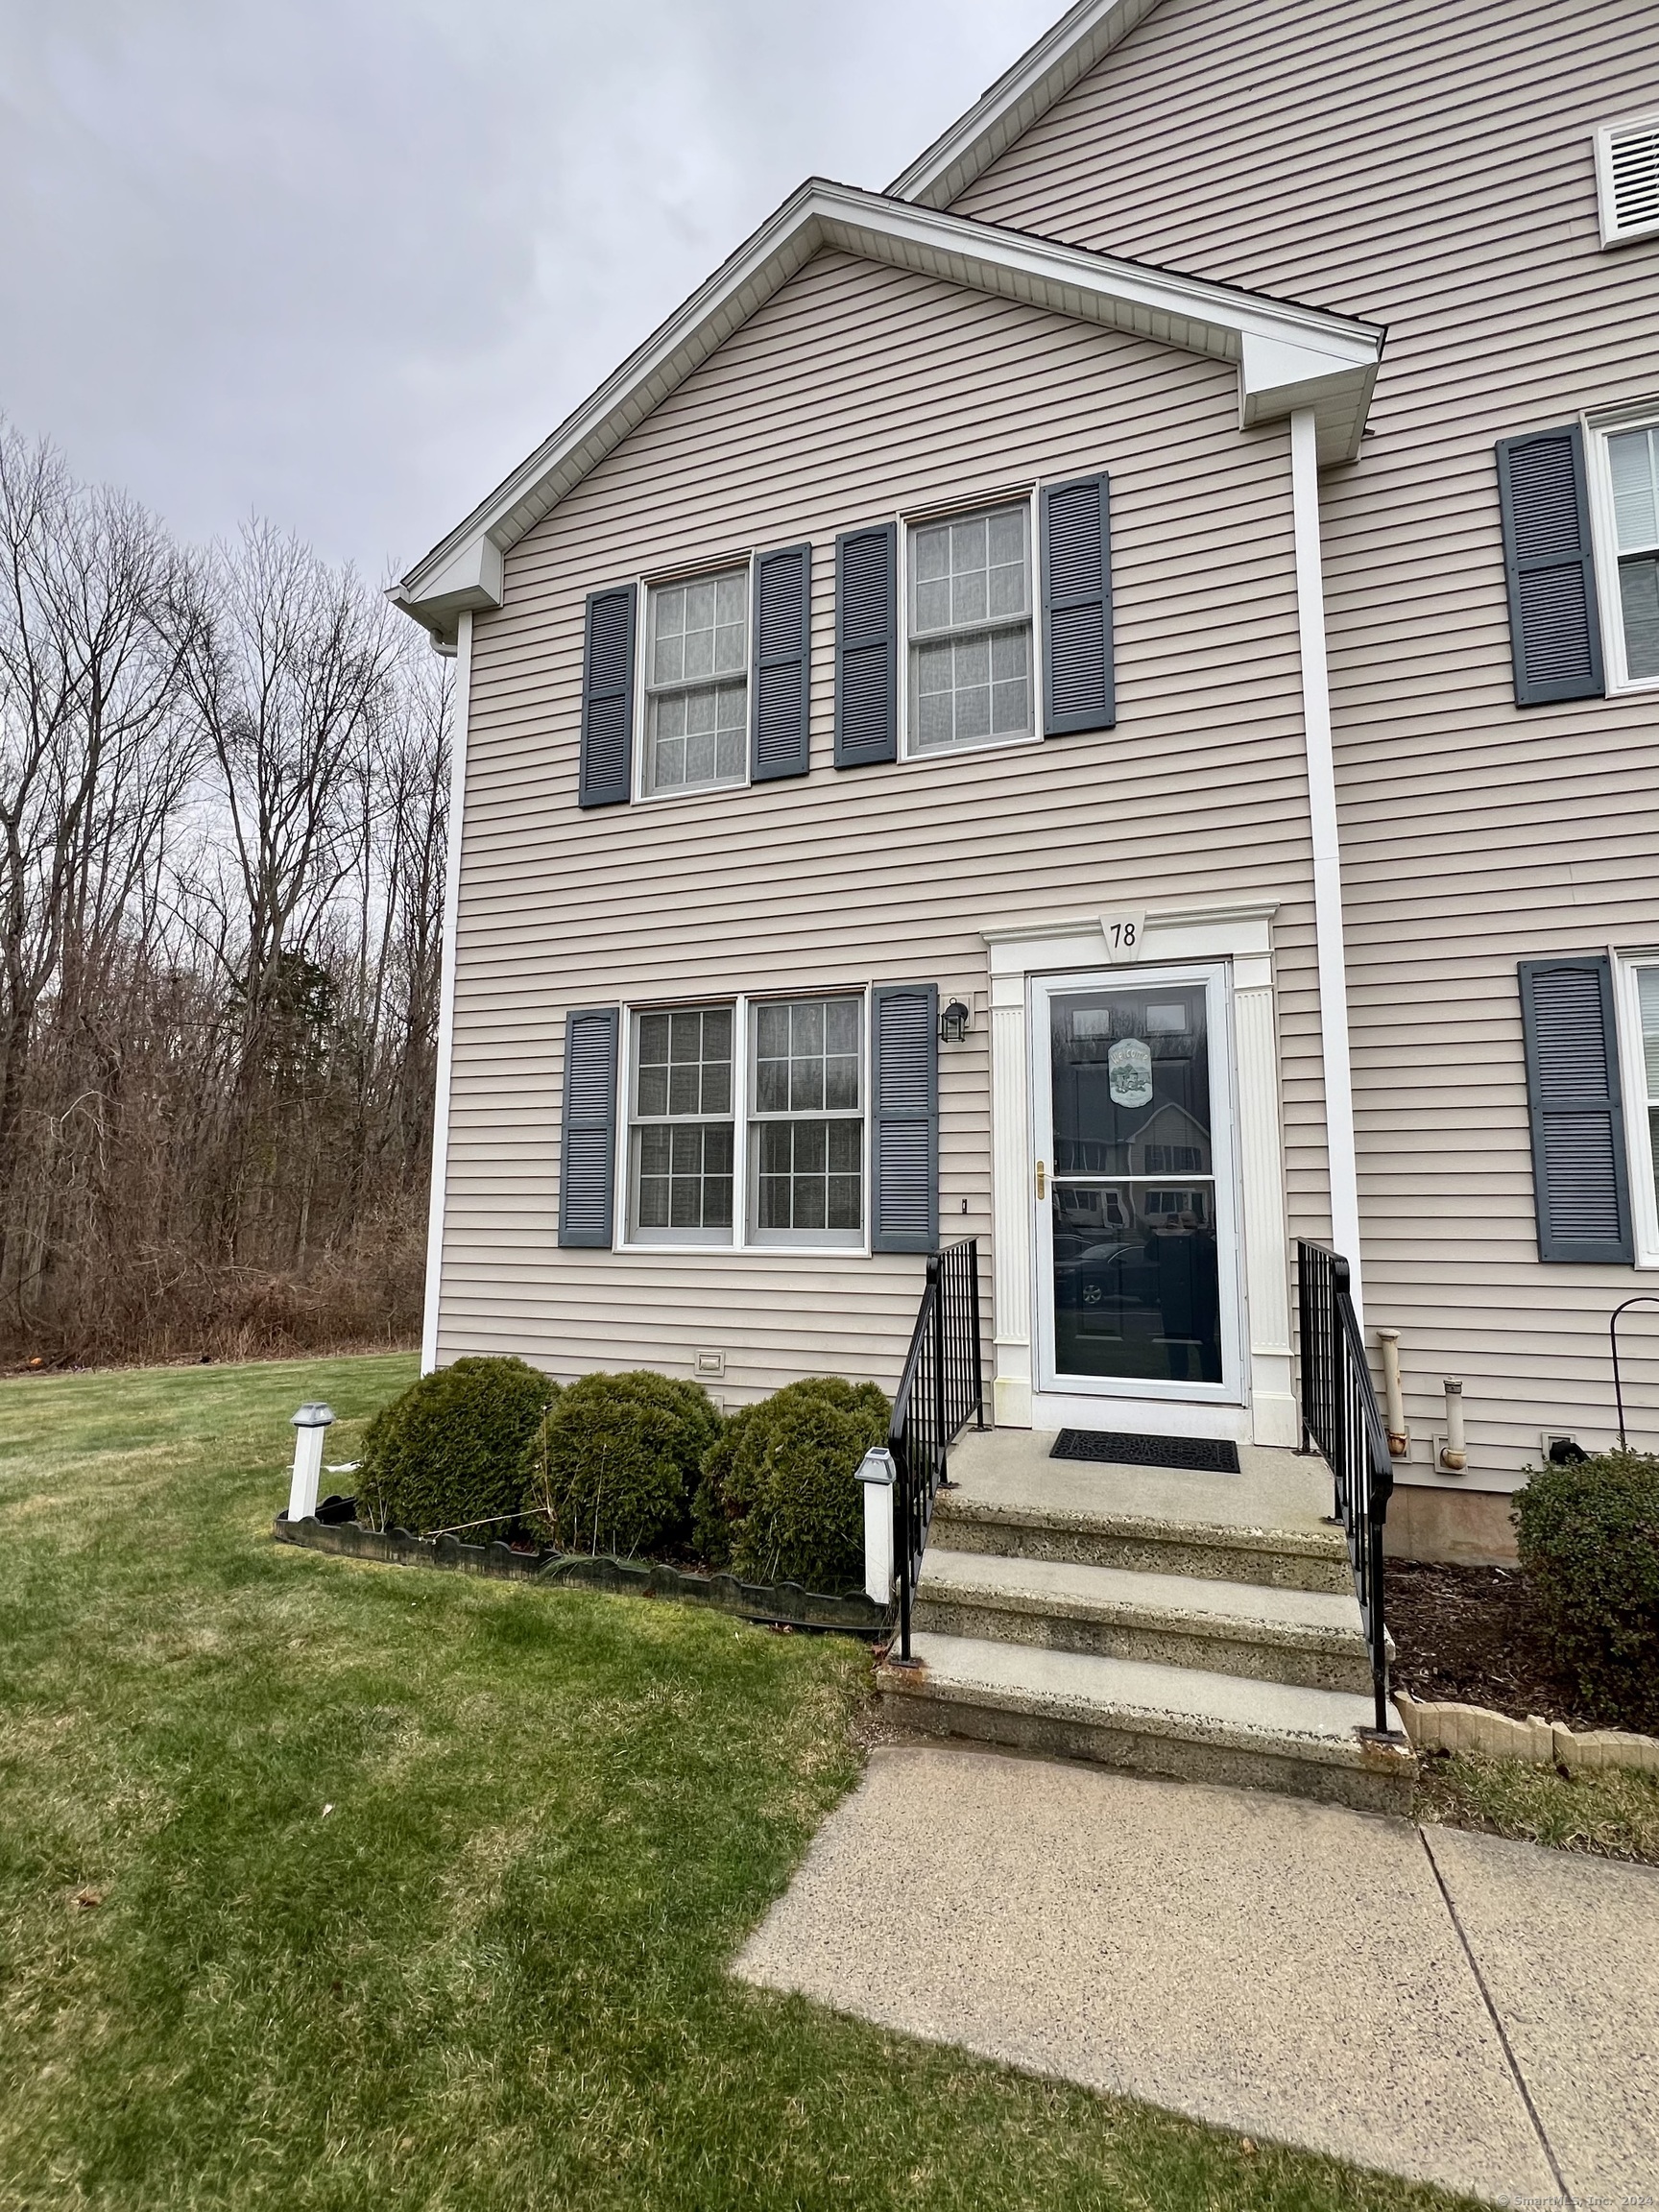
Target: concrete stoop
x: 1190, y: 1625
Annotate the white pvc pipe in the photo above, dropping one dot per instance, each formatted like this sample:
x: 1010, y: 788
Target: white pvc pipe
x: 1398, y: 1439
x: 1455, y: 1452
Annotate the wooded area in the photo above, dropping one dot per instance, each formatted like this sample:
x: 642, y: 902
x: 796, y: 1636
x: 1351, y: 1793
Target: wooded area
x: 223, y: 788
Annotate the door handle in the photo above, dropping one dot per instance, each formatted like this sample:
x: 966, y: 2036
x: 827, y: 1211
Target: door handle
x: 1040, y: 1179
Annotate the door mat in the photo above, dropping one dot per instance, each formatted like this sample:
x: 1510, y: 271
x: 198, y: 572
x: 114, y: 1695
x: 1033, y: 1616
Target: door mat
x: 1196, y: 1455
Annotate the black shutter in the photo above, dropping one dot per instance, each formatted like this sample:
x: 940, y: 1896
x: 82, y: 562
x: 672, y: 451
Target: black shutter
x: 608, y: 698
x: 1580, y: 1178
x: 782, y: 626
x: 904, y: 1136
x: 1549, y: 566
x: 587, y: 1142
x: 1079, y: 691
x: 866, y: 646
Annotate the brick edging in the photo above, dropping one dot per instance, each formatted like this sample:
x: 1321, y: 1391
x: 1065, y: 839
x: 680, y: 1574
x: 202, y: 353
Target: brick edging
x: 1434, y: 1727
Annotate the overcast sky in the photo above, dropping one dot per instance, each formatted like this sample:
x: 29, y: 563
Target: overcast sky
x: 344, y: 262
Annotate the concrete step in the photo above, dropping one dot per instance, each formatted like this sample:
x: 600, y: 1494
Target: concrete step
x: 1310, y: 1638
x: 1163, y: 1543
x: 1181, y: 1721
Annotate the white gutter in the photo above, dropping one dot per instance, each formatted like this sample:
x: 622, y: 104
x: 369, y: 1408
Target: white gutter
x: 446, y: 993
x: 1327, y: 851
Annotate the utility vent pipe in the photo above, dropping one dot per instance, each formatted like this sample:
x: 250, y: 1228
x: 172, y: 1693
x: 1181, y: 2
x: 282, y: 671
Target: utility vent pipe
x: 1399, y: 1441
x: 1453, y: 1453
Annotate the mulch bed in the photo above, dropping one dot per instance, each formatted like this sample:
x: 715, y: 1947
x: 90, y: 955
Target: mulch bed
x: 1471, y: 1636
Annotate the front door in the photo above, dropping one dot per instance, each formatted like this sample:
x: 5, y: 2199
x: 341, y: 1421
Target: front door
x: 1136, y: 1235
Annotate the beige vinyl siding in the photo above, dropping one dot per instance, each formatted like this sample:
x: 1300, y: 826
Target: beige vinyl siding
x: 856, y: 392
x: 1430, y: 166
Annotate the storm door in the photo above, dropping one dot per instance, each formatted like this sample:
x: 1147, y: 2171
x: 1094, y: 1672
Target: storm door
x: 1136, y: 1216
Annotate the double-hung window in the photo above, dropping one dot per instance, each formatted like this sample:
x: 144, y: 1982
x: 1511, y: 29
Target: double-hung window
x: 681, y: 1131
x: 807, y: 1121
x: 969, y: 598
x: 1631, y: 460
x: 1639, y: 1038
x: 697, y: 683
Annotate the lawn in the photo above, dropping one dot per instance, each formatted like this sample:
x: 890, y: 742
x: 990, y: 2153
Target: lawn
x: 324, y: 1885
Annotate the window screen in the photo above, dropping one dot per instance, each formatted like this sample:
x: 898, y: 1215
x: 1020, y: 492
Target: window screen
x: 969, y: 623
x: 680, y: 1139
x: 697, y: 683
x: 807, y: 1121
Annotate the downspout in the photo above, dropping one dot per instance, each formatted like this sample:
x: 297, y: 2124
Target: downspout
x: 446, y: 994
x: 1327, y: 854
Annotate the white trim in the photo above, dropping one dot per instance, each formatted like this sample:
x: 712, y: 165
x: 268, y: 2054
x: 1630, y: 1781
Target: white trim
x: 1327, y: 852
x: 435, y: 1204
x: 1597, y: 427
x: 1287, y: 356
x: 1638, y: 1134
x: 1606, y: 198
x: 1240, y: 931
x: 1044, y: 73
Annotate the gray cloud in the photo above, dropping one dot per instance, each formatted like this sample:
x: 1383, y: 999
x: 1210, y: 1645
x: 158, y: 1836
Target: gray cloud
x: 343, y: 262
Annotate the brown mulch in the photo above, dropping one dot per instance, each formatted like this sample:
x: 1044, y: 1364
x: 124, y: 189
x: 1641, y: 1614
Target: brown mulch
x: 1471, y: 1636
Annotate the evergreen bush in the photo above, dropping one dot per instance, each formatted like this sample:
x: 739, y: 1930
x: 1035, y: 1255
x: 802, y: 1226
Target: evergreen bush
x: 778, y: 1500
x: 613, y: 1468
x: 449, y: 1453
x: 1589, y: 1541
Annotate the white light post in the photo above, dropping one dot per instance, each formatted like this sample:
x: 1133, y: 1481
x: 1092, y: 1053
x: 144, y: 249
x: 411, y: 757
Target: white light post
x: 311, y: 1424
x: 877, y: 1474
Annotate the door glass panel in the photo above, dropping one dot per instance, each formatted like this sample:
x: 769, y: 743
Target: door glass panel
x: 1133, y: 1202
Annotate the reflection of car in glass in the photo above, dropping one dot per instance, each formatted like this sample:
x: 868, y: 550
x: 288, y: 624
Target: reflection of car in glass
x: 1094, y: 1276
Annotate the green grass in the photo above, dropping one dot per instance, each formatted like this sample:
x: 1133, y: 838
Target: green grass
x: 1611, y: 1811
x: 493, y: 1975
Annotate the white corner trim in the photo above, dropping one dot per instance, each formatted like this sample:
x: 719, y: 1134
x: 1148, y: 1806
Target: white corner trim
x: 1327, y: 850
x: 1333, y: 355
x: 1044, y: 73
x: 446, y: 993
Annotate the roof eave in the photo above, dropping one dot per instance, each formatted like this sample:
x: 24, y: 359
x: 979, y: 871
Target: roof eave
x: 1044, y: 73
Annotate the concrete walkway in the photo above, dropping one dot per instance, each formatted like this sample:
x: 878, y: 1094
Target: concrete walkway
x: 1446, y: 2007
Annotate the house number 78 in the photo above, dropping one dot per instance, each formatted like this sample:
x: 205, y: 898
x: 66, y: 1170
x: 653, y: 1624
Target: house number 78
x: 1123, y: 934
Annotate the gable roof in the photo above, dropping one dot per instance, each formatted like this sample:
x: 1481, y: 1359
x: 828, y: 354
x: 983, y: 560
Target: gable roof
x: 1286, y: 356
x: 1044, y: 73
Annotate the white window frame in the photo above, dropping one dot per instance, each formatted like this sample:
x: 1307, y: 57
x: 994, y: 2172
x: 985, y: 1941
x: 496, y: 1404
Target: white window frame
x: 1633, y: 1083
x: 1607, y: 203
x: 671, y: 1239
x: 666, y: 578
x: 740, y: 1240
x: 1597, y: 429
x: 926, y: 518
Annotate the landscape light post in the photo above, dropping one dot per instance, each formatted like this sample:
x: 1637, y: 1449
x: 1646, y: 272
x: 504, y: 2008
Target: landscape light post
x: 311, y: 1424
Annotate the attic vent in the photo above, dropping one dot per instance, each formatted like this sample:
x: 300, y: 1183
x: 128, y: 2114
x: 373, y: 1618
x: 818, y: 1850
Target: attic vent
x: 1628, y: 180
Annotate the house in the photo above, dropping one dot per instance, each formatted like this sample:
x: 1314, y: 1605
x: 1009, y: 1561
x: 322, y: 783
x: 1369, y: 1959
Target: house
x: 1173, y: 583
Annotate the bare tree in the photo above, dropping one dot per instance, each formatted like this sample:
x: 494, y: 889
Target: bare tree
x: 222, y: 819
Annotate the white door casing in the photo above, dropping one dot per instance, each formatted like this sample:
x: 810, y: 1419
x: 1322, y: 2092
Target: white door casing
x: 1241, y: 934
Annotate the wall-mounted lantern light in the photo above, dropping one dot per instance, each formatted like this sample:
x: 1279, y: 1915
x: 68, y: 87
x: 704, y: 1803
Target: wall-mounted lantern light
x: 953, y: 1022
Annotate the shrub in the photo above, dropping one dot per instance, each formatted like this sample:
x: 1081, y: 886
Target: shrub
x: 450, y: 1452
x: 612, y: 1467
x: 1589, y: 1539
x: 778, y: 1501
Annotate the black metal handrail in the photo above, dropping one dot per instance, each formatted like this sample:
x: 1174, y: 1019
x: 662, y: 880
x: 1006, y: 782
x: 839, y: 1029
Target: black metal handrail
x: 942, y: 1384
x: 1341, y: 1420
